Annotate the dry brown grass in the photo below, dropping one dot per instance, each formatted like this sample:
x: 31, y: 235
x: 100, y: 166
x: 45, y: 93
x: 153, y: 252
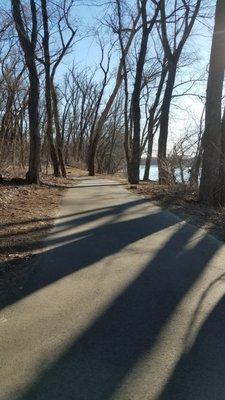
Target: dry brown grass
x: 76, y: 172
x: 24, y: 209
x: 27, y: 213
x: 183, y: 200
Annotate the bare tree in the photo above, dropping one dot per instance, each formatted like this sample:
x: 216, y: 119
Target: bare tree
x: 47, y: 66
x: 95, y: 131
x: 197, y: 162
x: 132, y: 113
x: 183, y: 17
x: 135, y: 101
x: 127, y: 136
x: 152, y: 119
x: 28, y: 45
x: 119, y: 79
x: 66, y: 34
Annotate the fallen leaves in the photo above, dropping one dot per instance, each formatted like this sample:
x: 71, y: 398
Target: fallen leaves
x: 183, y: 200
x: 27, y: 213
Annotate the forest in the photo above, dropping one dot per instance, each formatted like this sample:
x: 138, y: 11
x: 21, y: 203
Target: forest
x: 149, y: 92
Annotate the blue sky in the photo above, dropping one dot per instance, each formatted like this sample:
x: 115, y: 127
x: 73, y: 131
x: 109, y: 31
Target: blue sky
x: 87, y: 50
x: 86, y: 54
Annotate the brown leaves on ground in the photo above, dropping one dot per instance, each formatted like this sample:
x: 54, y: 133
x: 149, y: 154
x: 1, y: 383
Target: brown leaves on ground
x: 27, y: 213
x: 183, y: 200
x: 76, y: 172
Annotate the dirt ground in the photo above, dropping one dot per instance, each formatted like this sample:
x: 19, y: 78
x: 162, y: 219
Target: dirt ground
x: 183, y: 201
x: 27, y: 213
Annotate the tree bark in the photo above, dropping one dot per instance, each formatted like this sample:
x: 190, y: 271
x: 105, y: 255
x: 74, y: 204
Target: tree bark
x: 219, y: 195
x: 173, y: 55
x: 148, y: 158
x: 164, y: 124
x: 195, y: 169
x: 48, y: 100
x: 29, y: 46
x: 59, y: 141
x: 134, y: 169
x: 102, y: 119
x: 151, y: 123
x: 91, y: 157
x: 212, y: 134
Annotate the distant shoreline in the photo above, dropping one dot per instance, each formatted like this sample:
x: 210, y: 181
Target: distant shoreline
x: 188, y: 161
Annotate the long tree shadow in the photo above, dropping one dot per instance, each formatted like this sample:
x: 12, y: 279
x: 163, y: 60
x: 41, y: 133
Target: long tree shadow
x: 85, y: 186
x: 100, y: 209
x: 96, y: 364
x: 67, y: 221
x: 16, y: 270
x: 200, y: 373
x: 75, y: 251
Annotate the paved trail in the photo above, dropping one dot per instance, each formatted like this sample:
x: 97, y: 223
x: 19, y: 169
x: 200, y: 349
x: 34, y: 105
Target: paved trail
x: 125, y: 303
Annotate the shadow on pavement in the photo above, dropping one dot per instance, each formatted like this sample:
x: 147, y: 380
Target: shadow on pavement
x: 96, y: 364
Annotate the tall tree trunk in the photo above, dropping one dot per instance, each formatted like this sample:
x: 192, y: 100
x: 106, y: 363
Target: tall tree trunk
x: 135, y: 108
x: 91, y: 161
x: 58, y: 130
x: 134, y: 169
x: 105, y: 112
x: 197, y: 162
x: 49, y: 130
x: 151, y: 122
x: 212, y: 135
x: 112, y: 144
x: 101, y: 121
x: 91, y: 156
x: 219, y: 195
x: 149, y: 157
x: 32, y: 175
x: 164, y: 124
x: 195, y: 169
x: 173, y: 50
x: 29, y: 46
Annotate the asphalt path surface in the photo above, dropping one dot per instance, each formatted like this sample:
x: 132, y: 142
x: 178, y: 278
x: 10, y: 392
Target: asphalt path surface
x: 126, y: 302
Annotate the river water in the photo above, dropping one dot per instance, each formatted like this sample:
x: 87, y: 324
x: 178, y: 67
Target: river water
x: 154, y: 173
